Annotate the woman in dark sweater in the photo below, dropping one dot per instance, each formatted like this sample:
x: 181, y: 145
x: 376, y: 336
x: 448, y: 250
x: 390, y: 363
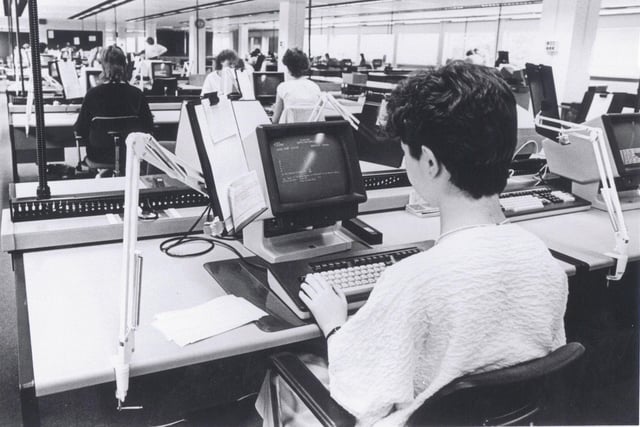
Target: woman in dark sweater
x: 113, y: 98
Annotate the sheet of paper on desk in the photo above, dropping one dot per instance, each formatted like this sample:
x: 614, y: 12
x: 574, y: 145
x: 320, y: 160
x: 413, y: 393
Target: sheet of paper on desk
x: 206, y: 320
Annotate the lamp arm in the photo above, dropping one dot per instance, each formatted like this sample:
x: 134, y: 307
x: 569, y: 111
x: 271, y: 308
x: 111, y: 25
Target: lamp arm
x: 609, y: 191
x: 328, y: 99
x: 140, y: 146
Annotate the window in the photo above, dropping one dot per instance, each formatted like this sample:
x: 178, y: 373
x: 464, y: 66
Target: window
x: 376, y: 46
x: 616, y: 53
x: 318, y: 44
x: 519, y: 46
x: 222, y: 41
x: 344, y: 46
x: 417, y: 48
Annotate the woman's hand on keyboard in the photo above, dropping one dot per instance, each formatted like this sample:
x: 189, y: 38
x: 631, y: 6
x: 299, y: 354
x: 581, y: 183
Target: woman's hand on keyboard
x: 328, y: 305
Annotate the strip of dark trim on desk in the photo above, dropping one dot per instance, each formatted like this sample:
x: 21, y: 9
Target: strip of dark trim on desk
x: 581, y: 266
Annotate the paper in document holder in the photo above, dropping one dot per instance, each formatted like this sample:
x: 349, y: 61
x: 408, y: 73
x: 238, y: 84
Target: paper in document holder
x: 239, y: 198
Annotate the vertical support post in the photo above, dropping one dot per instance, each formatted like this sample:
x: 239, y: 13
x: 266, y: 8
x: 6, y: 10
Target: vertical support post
x: 43, y: 191
x: 567, y: 33
x: 309, y: 29
x: 291, y: 33
x: 19, y: 48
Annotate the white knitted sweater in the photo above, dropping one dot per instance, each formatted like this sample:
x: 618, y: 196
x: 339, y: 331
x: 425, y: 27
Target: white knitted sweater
x: 481, y: 299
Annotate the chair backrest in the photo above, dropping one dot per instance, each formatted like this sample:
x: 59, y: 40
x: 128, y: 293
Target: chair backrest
x: 165, y: 86
x: 503, y: 396
x: 103, y: 132
x: 297, y: 114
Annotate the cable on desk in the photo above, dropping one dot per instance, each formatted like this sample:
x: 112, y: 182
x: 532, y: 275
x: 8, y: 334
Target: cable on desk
x: 173, y: 242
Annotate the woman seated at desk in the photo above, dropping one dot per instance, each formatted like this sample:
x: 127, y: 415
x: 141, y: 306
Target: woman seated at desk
x: 222, y: 79
x: 113, y: 98
x: 298, y: 90
x: 487, y: 295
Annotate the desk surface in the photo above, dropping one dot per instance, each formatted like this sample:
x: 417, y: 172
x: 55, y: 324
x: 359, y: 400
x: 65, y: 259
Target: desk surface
x: 73, y: 307
x: 68, y: 118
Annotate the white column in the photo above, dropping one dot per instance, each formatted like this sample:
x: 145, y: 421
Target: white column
x: 243, y: 40
x: 197, y: 46
x: 567, y: 32
x: 150, y: 31
x: 291, y: 34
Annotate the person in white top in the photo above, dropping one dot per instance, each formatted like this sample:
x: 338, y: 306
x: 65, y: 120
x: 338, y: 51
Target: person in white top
x: 222, y: 79
x: 487, y: 295
x: 153, y: 50
x: 297, y: 90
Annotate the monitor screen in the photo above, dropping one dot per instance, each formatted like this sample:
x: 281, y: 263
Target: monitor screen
x: 265, y: 85
x: 543, y: 95
x: 161, y: 69
x: 308, y: 167
x: 623, y: 134
x: 53, y: 70
x: 93, y: 78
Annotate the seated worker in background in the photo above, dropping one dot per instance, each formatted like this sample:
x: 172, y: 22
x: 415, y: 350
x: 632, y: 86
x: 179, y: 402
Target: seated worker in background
x: 114, y: 97
x: 222, y: 79
x: 487, y: 295
x: 474, y: 56
x: 298, y: 91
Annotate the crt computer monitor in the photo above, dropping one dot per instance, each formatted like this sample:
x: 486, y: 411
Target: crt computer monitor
x: 93, y: 78
x: 312, y: 179
x: 161, y: 69
x: 265, y: 85
x: 543, y: 95
x: 623, y: 134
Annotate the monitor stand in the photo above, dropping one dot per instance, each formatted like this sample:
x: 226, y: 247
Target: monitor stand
x: 295, y: 246
x: 629, y: 199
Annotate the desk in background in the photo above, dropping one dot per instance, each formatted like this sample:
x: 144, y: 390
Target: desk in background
x: 59, y: 121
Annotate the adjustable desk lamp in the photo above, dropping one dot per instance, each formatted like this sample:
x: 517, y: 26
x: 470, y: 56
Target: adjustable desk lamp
x: 140, y: 146
x: 609, y: 191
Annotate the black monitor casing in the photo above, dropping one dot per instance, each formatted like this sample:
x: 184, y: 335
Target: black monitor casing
x: 315, y: 212
x: 543, y: 95
x: 608, y: 123
x: 260, y: 95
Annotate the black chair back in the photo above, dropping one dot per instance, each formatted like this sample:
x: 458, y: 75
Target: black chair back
x: 512, y: 395
x: 107, y: 137
x: 167, y: 86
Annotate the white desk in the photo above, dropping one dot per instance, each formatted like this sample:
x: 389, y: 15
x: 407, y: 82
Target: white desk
x: 73, y: 297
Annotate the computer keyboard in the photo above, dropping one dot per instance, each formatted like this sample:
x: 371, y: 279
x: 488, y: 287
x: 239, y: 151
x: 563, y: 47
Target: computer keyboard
x: 356, y: 275
x: 355, y: 272
x: 539, y: 202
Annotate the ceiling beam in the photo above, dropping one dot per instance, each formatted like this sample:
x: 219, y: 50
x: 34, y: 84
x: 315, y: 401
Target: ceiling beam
x: 99, y: 8
x: 218, y: 3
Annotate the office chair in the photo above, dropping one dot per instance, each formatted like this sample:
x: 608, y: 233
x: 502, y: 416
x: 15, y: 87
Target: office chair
x: 513, y: 395
x: 164, y: 86
x: 376, y: 63
x: 297, y: 114
x: 345, y: 65
x: 106, y: 148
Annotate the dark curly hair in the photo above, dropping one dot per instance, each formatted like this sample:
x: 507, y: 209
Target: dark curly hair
x: 224, y: 55
x: 466, y: 114
x: 296, y: 61
x: 114, y: 64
